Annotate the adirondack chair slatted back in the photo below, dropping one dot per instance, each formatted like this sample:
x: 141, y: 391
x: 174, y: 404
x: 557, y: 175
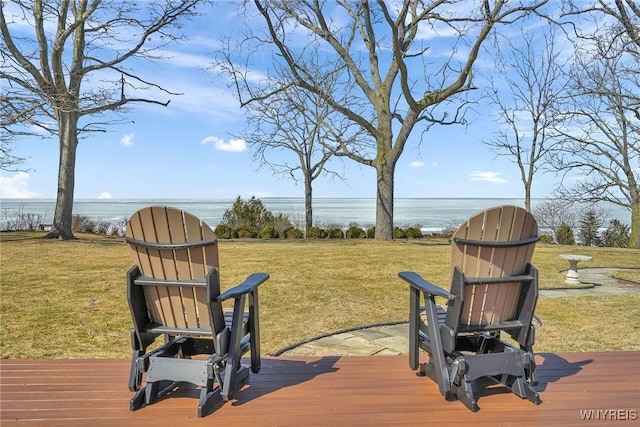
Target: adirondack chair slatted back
x: 171, y: 245
x: 495, y: 243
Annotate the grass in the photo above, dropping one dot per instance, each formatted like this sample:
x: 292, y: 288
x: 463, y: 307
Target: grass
x: 64, y: 299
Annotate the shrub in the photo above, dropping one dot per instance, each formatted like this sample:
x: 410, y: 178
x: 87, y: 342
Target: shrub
x: 224, y: 231
x: 247, y: 232
x: 102, y: 227
x: 293, y: 233
x: 617, y: 235
x: 250, y: 213
x: 316, y: 233
x: 589, y: 225
x: 354, y: 232
x: 371, y: 232
x: 553, y: 213
x: 448, y: 230
x: 398, y: 233
x: 546, y: 238
x: 280, y: 223
x: 335, y: 233
x: 82, y: 224
x: 268, y: 232
x: 564, y: 235
x: 21, y: 220
x: 413, y: 233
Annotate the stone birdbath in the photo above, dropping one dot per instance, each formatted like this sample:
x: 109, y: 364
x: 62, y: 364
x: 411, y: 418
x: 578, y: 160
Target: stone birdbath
x: 572, y: 273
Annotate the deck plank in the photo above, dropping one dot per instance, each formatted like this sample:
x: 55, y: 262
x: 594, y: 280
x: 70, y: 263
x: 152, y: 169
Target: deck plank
x: 316, y: 391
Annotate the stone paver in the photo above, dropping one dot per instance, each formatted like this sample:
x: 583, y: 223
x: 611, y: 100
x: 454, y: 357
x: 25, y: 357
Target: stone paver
x: 392, y: 339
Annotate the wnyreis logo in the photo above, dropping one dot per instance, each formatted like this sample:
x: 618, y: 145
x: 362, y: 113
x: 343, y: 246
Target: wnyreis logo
x: 609, y: 414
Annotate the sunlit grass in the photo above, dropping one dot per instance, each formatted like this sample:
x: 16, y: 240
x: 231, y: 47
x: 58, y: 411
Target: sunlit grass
x: 67, y: 299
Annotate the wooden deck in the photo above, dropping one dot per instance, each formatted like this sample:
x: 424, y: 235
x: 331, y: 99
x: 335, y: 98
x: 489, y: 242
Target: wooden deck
x: 318, y: 391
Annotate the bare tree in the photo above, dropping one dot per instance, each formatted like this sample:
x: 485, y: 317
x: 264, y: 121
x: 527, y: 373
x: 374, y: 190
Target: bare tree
x: 8, y: 161
x: 390, y: 79
x: 304, y: 125
x: 70, y: 66
x: 9, y: 110
x: 624, y: 12
x: 602, y: 131
x: 528, y: 82
x: 299, y: 123
x: 553, y: 214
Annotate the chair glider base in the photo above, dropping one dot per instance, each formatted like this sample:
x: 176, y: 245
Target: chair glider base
x: 210, y: 394
x: 513, y: 368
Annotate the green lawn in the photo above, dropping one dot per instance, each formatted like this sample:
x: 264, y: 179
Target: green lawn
x: 62, y: 299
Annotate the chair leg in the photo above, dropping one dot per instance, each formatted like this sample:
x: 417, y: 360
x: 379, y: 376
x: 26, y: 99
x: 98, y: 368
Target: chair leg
x: 154, y: 389
x: 464, y: 393
x: 210, y: 397
x: 521, y: 388
x: 233, y: 367
x: 254, y: 331
x: 438, y: 358
x: 135, y: 376
x: 137, y: 401
x: 414, y: 335
x: 232, y: 381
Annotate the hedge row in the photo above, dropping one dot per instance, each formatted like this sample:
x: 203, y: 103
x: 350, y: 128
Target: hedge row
x: 224, y: 231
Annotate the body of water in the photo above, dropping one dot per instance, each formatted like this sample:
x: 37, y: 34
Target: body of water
x: 432, y: 215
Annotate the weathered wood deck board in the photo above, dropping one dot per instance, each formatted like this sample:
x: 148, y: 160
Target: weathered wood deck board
x: 316, y: 391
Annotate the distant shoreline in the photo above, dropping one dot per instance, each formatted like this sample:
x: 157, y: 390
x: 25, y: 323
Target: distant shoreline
x: 429, y: 214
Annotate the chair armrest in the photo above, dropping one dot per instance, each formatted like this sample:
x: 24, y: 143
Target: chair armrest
x: 416, y: 281
x: 249, y: 284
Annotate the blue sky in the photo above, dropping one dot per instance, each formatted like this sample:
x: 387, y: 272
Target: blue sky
x: 187, y: 150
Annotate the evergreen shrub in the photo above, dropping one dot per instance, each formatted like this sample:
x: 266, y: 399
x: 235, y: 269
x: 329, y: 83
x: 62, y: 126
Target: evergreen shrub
x: 546, y: 238
x: 617, y: 235
x: 398, y: 233
x: 293, y: 233
x: 590, y: 223
x: 224, y: 231
x: 413, y: 233
x: 371, y: 232
x: 316, y: 233
x: 335, y: 233
x: 564, y: 235
x: 268, y: 232
x: 355, y: 232
x: 246, y: 232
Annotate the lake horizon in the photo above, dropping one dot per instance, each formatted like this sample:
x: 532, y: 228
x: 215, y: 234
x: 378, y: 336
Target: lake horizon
x: 430, y: 214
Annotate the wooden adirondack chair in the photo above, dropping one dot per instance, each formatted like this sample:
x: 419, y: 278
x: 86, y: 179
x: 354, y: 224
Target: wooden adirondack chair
x: 494, y: 289
x: 174, y: 291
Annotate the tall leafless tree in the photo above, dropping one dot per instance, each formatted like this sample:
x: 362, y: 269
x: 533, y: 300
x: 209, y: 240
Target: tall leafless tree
x: 65, y: 61
x: 392, y: 73
x: 300, y: 124
x: 602, y: 132
x: 304, y: 126
x: 528, y: 81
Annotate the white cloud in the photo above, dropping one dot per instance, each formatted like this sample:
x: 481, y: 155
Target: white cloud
x: 185, y: 59
x: 235, y: 145
x: 15, y: 187
x: 104, y: 195
x: 210, y: 140
x: 416, y: 164
x: 492, y: 177
x: 127, y: 140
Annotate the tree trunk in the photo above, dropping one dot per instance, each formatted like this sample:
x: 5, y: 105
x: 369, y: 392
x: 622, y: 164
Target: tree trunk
x: 634, y: 241
x: 384, y: 200
x: 308, y: 205
x: 63, y: 215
